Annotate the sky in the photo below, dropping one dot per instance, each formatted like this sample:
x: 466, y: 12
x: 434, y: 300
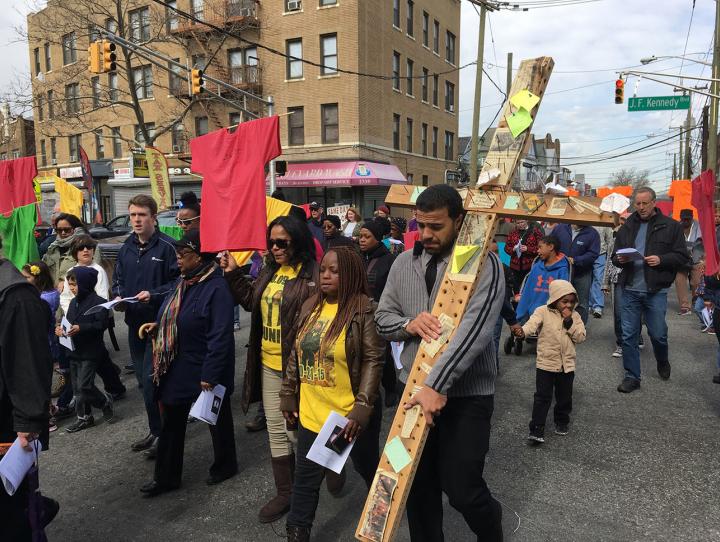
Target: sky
x: 589, y: 42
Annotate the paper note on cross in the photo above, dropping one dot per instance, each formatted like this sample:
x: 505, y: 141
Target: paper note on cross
x: 462, y: 255
x: 416, y: 192
x: 519, y: 121
x: 397, y: 455
x: 525, y: 100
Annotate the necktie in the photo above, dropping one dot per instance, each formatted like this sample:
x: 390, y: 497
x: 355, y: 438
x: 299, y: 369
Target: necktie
x: 431, y: 274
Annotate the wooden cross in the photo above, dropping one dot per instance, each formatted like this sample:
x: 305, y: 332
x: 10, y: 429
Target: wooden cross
x: 386, y: 500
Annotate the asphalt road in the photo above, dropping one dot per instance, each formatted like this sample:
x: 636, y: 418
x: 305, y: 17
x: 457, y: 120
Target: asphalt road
x: 642, y: 466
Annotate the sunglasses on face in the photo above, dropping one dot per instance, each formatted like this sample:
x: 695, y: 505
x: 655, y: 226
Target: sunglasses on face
x: 186, y: 221
x: 64, y: 230
x: 183, y: 253
x: 85, y: 247
x: 282, y: 244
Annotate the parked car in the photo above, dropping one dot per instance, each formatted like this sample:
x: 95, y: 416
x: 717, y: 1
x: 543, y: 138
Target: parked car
x: 110, y: 244
x: 120, y: 225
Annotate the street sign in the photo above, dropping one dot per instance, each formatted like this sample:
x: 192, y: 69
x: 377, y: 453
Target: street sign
x: 658, y: 103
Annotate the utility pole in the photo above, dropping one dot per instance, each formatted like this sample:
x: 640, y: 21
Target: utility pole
x: 688, y: 158
x: 674, y: 173
x: 681, y: 155
x: 714, y: 89
x: 508, y: 84
x: 478, y: 92
x: 705, y: 134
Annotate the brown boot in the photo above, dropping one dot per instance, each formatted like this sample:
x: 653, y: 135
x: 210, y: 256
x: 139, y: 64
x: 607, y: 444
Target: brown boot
x: 298, y: 534
x: 283, y: 471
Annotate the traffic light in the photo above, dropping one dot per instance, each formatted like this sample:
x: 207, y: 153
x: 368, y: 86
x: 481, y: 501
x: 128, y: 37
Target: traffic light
x: 197, y: 83
x: 619, y: 91
x: 94, y: 57
x: 108, y: 56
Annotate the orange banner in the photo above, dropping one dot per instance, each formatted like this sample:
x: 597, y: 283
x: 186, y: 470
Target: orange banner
x: 159, y: 179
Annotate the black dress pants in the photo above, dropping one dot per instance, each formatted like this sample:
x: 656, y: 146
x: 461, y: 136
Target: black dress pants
x: 171, y: 444
x: 545, y: 382
x: 452, y: 462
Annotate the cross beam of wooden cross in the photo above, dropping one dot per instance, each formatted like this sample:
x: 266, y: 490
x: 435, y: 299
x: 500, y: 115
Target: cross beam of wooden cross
x: 386, y: 500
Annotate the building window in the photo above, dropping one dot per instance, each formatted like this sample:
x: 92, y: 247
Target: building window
x: 329, y: 55
x: 328, y: 2
x: 449, y: 97
x: 74, y: 147
x: 423, y: 139
x: 235, y: 119
x: 330, y: 124
x: 436, y: 84
x: 201, y: 126
x: 396, y: 131
x: 99, y: 144
x: 426, y: 28
x: 410, y: 178
x: 450, y: 47
x: 72, y: 98
x: 93, y: 34
x: 449, y: 146
x: 425, y: 180
x: 114, y: 93
x: 409, y: 135
x: 140, y: 24
x: 198, y: 9
x: 434, y: 142
x: 293, y: 49
x: 48, y: 59
x: 40, y: 106
x: 111, y: 25
x: 410, y: 17
x: 51, y: 104
x: 198, y: 62
x: 117, y: 143
x: 178, y: 135
x: 143, y: 82
x: 95, y: 84
x: 43, y: 155
x: 36, y: 58
x: 140, y: 136
x: 396, y: 70
x: 409, y: 67
x: 171, y: 18
x: 296, y: 126
x: 436, y: 37
x: 396, y: 13
x: 69, y: 50
x: 425, y: 76
x: 175, y: 78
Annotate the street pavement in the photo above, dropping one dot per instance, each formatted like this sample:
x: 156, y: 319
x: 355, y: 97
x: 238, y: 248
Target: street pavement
x: 642, y: 466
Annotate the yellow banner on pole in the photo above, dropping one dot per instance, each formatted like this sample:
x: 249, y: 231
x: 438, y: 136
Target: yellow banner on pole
x: 159, y: 179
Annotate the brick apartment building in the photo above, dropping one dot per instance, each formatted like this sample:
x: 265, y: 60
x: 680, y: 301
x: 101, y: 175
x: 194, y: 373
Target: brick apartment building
x: 348, y: 135
x: 17, y: 136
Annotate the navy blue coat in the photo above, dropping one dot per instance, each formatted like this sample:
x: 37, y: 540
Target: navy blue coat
x: 206, y: 342
x: 88, y: 343
x: 153, y: 269
x: 584, y: 249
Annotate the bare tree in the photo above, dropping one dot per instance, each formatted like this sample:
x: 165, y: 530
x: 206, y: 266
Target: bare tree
x: 631, y: 177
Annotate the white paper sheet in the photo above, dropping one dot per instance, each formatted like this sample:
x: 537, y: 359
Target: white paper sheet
x: 707, y: 318
x: 615, y: 203
x: 324, y: 456
x: 207, y: 406
x: 630, y: 253
x: 14, y: 466
x: 110, y: 305
x: 66, y: 341
x: 397, y: 348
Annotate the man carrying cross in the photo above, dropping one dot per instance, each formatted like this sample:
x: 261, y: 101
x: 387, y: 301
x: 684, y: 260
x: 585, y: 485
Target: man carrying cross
x: 457, y: 398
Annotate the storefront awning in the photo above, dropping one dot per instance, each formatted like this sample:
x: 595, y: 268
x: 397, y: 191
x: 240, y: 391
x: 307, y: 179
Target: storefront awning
x: 340, y: 174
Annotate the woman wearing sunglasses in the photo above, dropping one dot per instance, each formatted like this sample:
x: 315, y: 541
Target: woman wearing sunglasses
x: 335, y: 366
x: 287, y: 280
x: 188, y: 216
x: 58, y: 256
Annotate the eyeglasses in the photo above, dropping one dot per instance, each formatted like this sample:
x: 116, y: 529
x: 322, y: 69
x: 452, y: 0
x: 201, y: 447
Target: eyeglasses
x: 183, y: 253
x: 186, y: 221
x: 282, y: 244
x: 64, y: 230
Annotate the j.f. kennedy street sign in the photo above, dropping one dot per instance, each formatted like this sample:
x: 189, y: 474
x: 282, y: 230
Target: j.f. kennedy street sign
x: 658, y: 103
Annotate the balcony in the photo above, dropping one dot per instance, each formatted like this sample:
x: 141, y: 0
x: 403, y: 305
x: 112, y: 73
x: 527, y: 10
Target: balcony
x: 222, y: 13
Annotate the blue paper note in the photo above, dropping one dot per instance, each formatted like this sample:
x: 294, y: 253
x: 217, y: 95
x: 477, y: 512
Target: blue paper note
x: 397, y: 455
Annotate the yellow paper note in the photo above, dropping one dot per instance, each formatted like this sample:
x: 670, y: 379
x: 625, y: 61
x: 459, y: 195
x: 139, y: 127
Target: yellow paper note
x: 519, y: 121
x: 461, y: 256
x: 525, y: 100
x: 397, y: 455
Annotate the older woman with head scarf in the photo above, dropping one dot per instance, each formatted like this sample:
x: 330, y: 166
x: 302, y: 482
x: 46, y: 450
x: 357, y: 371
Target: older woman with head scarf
x: 193, y: 351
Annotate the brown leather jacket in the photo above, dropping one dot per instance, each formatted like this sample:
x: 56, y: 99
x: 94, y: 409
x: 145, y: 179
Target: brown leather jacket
x: 248, y: 293
x: 365, y: 352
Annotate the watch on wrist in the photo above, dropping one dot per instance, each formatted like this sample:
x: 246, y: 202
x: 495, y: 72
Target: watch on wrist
x: 405, y: 325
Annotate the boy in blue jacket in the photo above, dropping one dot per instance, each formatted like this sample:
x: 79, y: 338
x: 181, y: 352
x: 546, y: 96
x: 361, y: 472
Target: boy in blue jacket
x: 89, y: 348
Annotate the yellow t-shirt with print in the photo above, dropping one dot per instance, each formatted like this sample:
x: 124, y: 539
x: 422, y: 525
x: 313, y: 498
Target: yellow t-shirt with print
x: 270, y: 307
x: 324, y: 384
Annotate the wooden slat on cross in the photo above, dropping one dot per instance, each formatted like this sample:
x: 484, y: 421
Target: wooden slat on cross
x: 387, y: 498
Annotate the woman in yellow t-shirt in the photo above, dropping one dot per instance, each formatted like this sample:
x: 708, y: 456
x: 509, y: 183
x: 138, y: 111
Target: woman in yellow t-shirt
x: 287, y: 280
x: 336, y: 365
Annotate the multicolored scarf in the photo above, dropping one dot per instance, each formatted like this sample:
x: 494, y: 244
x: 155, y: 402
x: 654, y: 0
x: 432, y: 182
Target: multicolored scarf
x: 165, y: 342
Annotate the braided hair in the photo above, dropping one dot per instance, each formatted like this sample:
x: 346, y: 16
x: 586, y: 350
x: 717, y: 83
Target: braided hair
x: 352, y: 288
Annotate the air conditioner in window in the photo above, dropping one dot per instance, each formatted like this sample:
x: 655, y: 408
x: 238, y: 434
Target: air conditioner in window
x: 53, y: 161
x: 451, y: 108
x: 294, y: 5
x: 73, y: 158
